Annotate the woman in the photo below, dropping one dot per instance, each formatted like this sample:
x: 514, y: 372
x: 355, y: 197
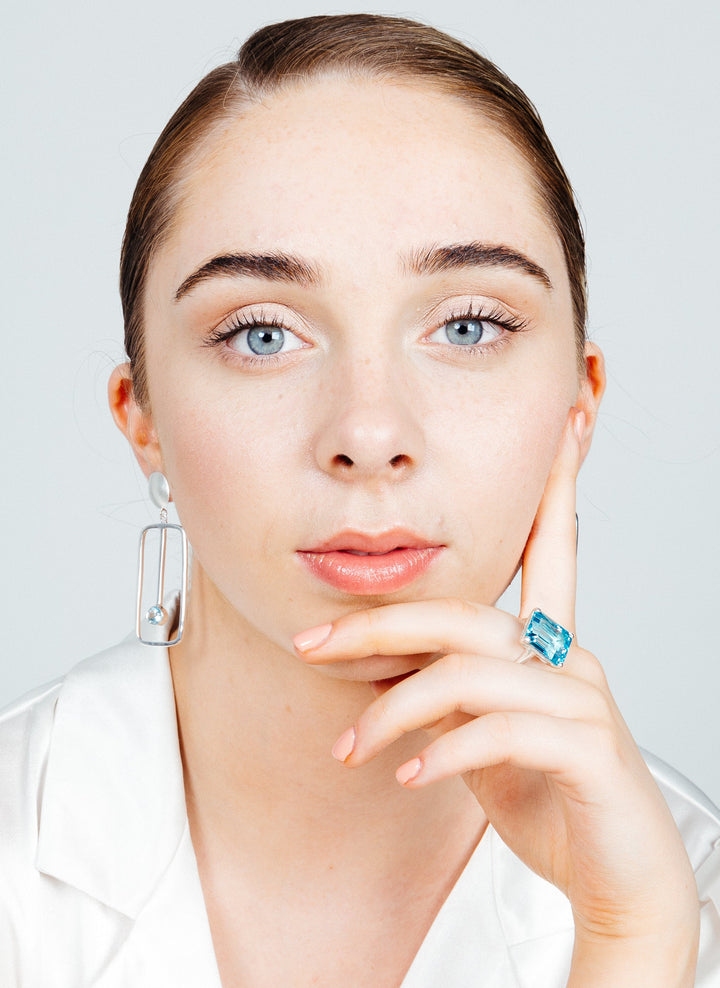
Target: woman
x: 353, y: 284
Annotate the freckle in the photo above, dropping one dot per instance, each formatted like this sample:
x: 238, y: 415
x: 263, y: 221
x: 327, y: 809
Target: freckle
x: 288, y: 708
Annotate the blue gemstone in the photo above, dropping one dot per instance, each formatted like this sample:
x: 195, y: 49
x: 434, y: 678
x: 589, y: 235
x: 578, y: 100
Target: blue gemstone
x: 156, y: 615
x: 547, y: 639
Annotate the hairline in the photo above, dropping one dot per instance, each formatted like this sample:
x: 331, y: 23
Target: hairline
x: 238, y: 103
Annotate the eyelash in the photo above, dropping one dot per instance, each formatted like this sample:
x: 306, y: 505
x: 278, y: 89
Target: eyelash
x: 494, y: 315
x: 240, y: 322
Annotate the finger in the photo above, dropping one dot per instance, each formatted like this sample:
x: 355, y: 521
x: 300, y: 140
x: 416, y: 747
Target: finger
x: 471, y: 685
x: 549, y: 572
x: 529, y: 741
x: 418, y: 627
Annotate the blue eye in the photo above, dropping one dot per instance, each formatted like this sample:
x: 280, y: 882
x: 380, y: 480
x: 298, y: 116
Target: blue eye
x: 264, y: 341
x: 466, y: 332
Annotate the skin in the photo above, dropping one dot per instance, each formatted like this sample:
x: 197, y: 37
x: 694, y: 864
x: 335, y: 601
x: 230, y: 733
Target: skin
x: 377, y: 420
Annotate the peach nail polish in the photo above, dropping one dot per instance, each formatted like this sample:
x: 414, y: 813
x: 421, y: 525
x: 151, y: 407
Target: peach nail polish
x: 410, y: 770
x: 312, y: 638
x: 342, y: 749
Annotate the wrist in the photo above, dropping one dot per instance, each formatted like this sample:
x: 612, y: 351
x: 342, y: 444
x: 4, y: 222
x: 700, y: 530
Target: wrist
x: 663, y: 960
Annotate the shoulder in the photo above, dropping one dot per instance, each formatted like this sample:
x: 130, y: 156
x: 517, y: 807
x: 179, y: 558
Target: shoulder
x: 78, y: 757
x: 113, y: 686
x: 25, y: 731
x: 27, y: 728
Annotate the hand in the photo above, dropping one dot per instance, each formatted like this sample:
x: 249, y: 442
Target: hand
x: 545, y: 751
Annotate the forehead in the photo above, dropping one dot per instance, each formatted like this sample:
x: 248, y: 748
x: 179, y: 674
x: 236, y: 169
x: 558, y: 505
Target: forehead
x: 349, y: 171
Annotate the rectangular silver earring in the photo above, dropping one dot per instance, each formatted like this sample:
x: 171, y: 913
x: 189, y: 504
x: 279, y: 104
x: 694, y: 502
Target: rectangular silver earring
x: 150, y: 613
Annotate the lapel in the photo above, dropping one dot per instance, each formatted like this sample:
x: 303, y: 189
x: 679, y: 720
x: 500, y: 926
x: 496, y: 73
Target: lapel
x: 113, y: 821
x: 536, y: 920
x: 501, y: 926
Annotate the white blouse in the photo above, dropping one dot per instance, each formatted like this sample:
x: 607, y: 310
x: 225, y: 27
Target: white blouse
x: 98, y: 879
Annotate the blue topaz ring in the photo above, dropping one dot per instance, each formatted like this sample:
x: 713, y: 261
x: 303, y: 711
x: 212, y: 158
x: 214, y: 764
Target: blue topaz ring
x: 545, y: 639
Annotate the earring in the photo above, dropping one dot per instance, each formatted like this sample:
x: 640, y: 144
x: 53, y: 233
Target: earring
x: 156, y: 615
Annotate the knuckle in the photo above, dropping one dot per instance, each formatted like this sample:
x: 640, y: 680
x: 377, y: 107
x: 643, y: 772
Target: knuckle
x: 370, y: 623
x: 456, y: 665
x: 603, y: 742
x: 597, y: 702
x: 380, y: 710
x: 589, y: 667
x: 460, y: 608
x: 499, y: 728
x: 451, y: 751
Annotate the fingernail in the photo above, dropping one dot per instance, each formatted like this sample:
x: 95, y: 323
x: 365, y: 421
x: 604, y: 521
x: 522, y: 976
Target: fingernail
x: 579, y: 425
x: 410, y: 770
x: 312, y: 638
x: 342, y: 749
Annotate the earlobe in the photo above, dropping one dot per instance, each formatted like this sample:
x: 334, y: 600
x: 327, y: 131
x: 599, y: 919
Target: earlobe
x: 590, y: 393
x: 134, y: 423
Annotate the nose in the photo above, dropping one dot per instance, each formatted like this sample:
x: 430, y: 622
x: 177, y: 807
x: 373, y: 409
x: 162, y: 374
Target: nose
x: 369, y: 429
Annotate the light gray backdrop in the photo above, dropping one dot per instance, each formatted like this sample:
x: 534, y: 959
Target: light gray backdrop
x: 629, y: 94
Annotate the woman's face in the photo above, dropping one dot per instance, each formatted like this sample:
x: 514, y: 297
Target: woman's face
x: 414, y: 368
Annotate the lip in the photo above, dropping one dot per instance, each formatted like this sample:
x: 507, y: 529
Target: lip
x: 395, y: 559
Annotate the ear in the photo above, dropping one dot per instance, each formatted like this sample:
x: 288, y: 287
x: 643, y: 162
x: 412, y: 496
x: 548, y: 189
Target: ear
x: 134, y: 423
x: 592, y: 387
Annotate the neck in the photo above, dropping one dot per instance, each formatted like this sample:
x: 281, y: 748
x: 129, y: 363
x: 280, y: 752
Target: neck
x: 256, y: 728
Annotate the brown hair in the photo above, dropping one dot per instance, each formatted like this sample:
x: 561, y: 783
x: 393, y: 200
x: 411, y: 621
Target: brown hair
x: 292, y: 51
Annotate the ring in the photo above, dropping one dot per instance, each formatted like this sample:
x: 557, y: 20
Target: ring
x: 546, y: 639
x: 526, y: 654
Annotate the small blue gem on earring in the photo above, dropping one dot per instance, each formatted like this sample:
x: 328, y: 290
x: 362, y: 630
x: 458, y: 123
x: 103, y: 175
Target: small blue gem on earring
x: 546, y: 638
x: 156, y: 615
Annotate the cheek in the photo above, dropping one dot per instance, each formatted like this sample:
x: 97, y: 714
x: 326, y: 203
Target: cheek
x: 502, y: 448
x: 229, y: 464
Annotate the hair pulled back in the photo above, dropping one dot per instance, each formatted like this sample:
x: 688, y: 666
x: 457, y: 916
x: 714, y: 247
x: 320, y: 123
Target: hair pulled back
x: 351, y: 45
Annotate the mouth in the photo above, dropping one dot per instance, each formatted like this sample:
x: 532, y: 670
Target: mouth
x: 365, y: 564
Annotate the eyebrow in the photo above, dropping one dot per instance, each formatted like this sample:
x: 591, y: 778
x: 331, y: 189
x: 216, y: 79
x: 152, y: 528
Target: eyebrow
x: 275, y: 266
x: 279, y: 266
x: 475, y: 254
